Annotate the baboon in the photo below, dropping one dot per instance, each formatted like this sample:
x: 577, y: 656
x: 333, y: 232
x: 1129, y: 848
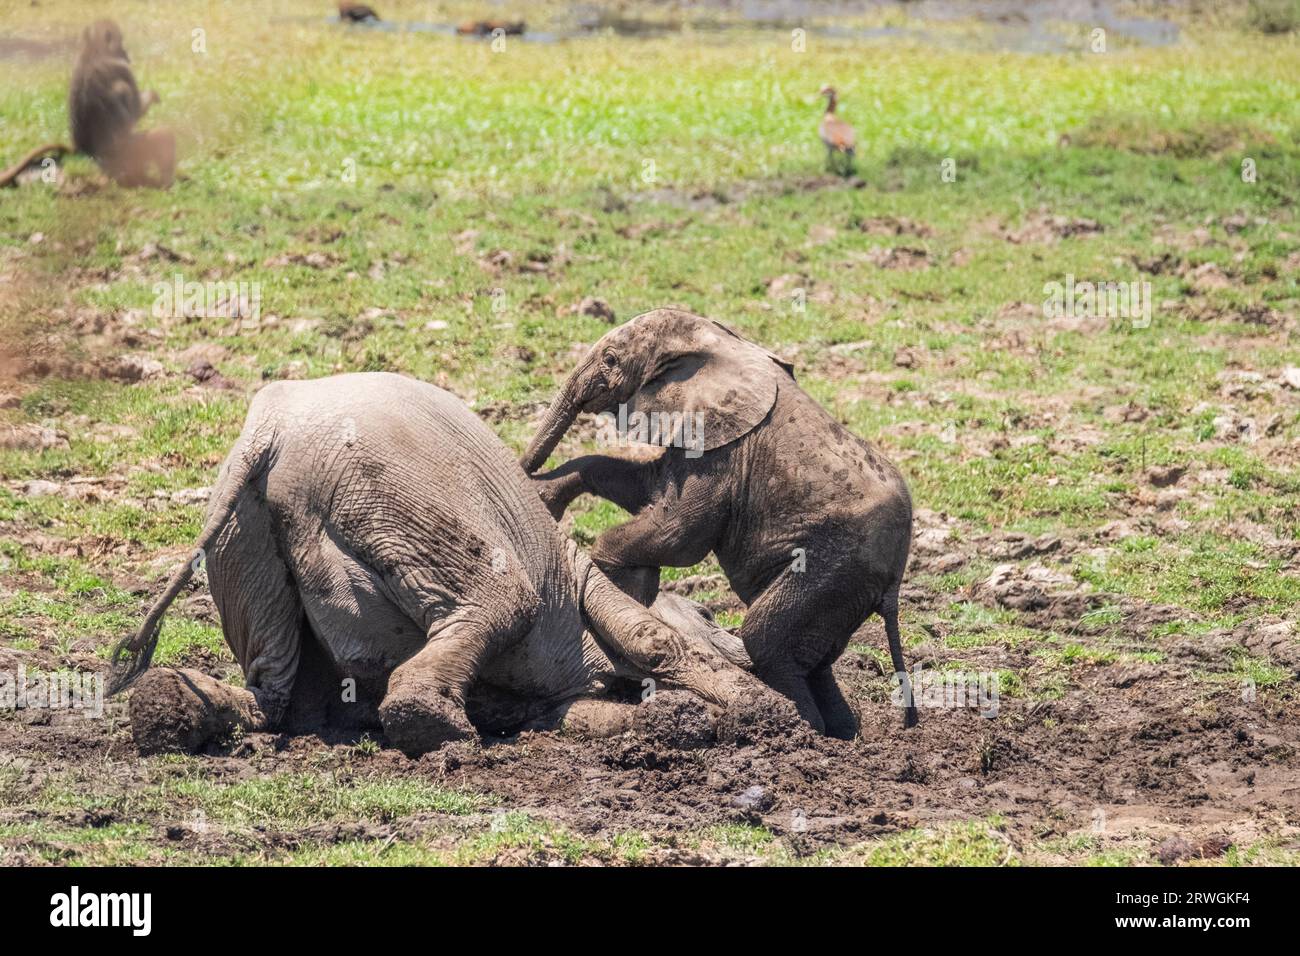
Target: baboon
x: 356, y: 12
x: 104, y: 105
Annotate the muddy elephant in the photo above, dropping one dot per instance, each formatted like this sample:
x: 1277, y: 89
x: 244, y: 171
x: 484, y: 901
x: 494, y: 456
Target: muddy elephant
x: 810, y: 523
x: 370, y: 540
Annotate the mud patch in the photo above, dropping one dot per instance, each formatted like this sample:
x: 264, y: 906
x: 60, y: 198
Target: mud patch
x: 675, y: 720
x: 1042, y: 226
x: 1136, y: 134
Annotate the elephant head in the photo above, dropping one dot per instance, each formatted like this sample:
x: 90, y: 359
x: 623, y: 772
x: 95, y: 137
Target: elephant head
x: 675, y: 364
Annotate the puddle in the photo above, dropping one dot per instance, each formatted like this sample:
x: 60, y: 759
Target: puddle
x: 15, y: 48
x: 1042, y: 26
x: 1036, y: 27
x: 422, y: 26
x: 1014, y: 25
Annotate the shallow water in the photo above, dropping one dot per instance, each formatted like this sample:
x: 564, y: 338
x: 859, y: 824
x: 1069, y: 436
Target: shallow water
x: 1015, y: 26
x: 1043, y: 26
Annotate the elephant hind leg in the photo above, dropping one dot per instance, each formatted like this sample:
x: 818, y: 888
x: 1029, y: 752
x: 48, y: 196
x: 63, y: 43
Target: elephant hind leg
x: 318, y: 700
x: 840, y: 720
x: 261, y: 618
x: 793, y: 633
x: 789, y: 682
x: 259, y: 604
x: 424, y: 706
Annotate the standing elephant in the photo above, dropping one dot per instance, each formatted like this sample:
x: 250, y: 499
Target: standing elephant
x: 371, y: 529
x: 810, y: 523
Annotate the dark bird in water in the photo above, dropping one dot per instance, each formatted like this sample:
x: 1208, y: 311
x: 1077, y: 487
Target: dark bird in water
x: 483, y: 28
x: 836, y: 134
x: 357, y: 13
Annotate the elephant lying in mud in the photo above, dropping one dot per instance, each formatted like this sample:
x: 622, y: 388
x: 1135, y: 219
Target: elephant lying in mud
x: 370, y: 543
x: 810, y: 523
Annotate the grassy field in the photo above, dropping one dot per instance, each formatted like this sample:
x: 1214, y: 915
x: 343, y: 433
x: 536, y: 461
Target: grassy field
x: 422, y: 203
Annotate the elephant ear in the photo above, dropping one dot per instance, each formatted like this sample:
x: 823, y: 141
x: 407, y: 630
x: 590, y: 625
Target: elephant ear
x: 723, y: 383
x: 789, y: 367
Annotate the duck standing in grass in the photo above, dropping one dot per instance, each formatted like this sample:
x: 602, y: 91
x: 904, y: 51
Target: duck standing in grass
x: 836, y: 134
x: 357, y: 13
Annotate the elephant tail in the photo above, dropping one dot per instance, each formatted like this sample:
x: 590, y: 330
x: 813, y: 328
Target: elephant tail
x: 889, y: 614
x: 132, y: 654
x: 10, y: 175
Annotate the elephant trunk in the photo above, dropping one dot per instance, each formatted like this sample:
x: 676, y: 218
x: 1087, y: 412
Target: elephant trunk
x: 559, y: 417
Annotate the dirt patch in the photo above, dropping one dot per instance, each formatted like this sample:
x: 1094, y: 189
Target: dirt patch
x: 905, y: 258
x: 1043, y: 226
x: 1136, y: 134
x: 893, y: 226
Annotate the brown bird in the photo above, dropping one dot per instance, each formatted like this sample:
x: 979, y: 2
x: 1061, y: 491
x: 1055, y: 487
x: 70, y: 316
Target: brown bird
x: 836, y: 134
x: 356, y: 12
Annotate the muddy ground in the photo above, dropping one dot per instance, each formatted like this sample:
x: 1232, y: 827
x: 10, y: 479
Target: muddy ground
x: 1145, y: 761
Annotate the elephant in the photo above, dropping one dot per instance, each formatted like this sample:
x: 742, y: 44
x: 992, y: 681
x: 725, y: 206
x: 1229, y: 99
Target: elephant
x: 810, y: 523
x: 369, y: 535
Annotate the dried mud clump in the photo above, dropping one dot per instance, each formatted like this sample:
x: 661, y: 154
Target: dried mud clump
x: 766, y: 719
x: 674, y: 719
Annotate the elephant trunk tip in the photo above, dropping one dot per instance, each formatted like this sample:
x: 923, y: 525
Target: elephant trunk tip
x: 533, y: 457
x: 561, y: 415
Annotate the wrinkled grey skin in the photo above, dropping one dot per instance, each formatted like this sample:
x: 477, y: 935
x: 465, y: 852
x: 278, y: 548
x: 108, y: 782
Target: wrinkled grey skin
x: 374, y: 527
x: 810, y: 523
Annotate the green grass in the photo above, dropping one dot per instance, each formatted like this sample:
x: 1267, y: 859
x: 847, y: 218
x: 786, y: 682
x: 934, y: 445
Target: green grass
x: 741, y: 836
x: 118, y: 844
x: 1004, y: 421
x: 965, y: 844
x: 180, y: 636
x: 295, y: 800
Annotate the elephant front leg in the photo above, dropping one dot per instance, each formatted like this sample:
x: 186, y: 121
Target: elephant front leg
x: 180, y: 711
x: 663, y: 535
x: 626, y: 480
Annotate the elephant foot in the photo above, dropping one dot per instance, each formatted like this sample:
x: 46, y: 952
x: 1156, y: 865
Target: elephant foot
x: 597, y: 718
x: 761, y: 714
x: 417, y: 723
x: 676, y: 719
x: 179, y: 711
x: 557, y: 490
